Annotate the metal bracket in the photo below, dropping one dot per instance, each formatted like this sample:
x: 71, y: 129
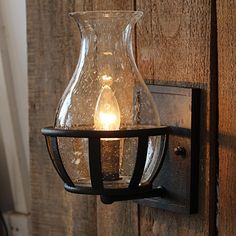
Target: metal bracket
x: 179, y: 108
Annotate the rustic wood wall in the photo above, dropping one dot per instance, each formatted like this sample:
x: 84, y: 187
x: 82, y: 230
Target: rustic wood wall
x: 175, y: 44
x: 226, y: 17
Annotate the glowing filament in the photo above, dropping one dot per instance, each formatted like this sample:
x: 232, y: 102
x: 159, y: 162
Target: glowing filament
x: 106, y: 78
x: 107, y: 112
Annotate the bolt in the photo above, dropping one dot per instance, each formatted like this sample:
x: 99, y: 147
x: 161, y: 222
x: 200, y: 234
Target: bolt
x: 180, y: 151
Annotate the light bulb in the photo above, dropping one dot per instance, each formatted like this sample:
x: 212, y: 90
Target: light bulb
x: 107, y: 112
x: 107, y: 117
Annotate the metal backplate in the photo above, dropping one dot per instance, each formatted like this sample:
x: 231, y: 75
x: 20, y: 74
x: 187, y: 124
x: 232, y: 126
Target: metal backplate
x: 178, y: 108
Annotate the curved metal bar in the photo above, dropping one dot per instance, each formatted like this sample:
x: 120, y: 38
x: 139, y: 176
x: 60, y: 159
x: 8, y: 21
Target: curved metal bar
x: 108, y: 191
x: 140, y: 162
x: 162, y: 157
x: 95, y: 164
x: 58, y: 163
x: 53, y: 132
x: 49, y: 147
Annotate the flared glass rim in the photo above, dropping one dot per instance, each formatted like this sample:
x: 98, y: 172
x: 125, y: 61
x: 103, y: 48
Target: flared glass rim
x: 106, y: 13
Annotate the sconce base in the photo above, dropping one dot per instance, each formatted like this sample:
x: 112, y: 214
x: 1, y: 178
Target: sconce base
x: 179, y: 108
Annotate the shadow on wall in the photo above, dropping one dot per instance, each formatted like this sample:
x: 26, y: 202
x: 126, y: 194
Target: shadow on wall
x: 6, y: 201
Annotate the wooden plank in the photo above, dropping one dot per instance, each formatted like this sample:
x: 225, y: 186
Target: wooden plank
x: 118, y: 219
x: 53, y: 50
x: 113, y: 5
x: 178, y: 33
x: 227, y: 115
x: 144, y: 42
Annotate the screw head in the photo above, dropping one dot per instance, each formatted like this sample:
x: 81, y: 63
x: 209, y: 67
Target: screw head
x: 179, y: 151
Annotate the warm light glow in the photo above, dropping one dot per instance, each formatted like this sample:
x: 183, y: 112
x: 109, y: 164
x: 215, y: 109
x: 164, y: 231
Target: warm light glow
x: 108, y: 53
x: 107, y: 119
x: 106, y: 78
x: 107, y: 112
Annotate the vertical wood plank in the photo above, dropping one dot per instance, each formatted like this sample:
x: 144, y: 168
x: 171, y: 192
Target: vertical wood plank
x: 118, y: 219
x: 112, y: 5
x: 178, y: 35
x: 145, y: 41
x: 53, y: 50
x: 226, y: 19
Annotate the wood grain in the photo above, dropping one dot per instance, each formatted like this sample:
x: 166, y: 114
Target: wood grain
x: 53, y: 48
x: 113, y: 5
x: 227, y: 116
x: 172, y: 47
x: 178, y: 33
x: 118, y: 219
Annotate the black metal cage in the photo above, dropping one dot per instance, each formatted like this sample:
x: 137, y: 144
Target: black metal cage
x: 108, y: 195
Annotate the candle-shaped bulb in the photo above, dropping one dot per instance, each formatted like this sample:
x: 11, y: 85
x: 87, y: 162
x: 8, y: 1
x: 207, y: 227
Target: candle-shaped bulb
x: 107, y: 117
x: 107, y: 112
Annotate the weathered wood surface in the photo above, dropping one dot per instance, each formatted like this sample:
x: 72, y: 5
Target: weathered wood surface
x: 53, y: 49
x: 227, y: 116
x: 173, y: 47
x: 118, y: 219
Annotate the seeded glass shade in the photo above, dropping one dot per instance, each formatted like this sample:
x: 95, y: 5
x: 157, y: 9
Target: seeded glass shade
x: 107, y: 92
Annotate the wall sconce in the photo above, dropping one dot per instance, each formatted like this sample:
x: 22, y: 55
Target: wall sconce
x: 107, y: 137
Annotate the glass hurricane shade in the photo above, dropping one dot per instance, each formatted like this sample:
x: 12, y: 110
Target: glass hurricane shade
x: 106, y: 92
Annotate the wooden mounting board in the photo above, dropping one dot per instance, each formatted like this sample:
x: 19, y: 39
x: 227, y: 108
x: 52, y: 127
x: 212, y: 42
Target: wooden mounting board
x: 178, y: 108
